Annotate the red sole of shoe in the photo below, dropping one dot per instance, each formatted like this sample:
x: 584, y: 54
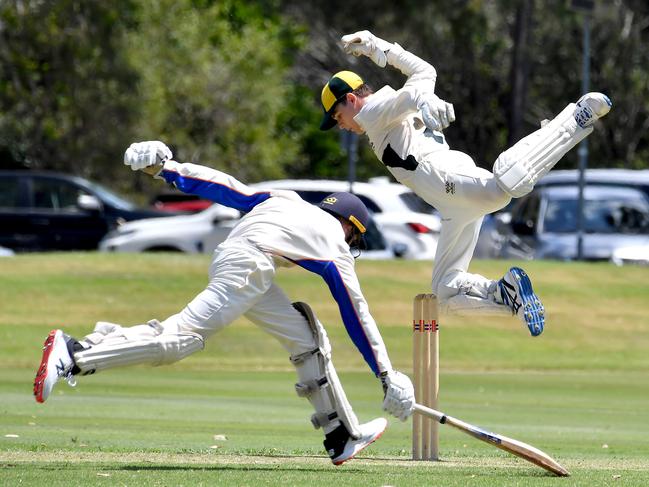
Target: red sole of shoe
x: 42, y: 368
x: 348, y: 459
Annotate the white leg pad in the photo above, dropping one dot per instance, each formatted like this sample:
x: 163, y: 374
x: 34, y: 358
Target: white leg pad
x: 519, y: 168
x: 319, y: 382
x: 141, y: 344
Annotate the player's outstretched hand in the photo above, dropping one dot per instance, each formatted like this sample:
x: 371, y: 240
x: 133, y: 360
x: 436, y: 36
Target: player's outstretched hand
x: 148, y: 156
x: 367, y: 44
x: 399, y: 394
x: 437, y: 113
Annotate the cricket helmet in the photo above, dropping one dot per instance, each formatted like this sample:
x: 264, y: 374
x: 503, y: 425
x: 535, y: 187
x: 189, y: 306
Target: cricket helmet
x: 348, y: 206
x: 335, y: 90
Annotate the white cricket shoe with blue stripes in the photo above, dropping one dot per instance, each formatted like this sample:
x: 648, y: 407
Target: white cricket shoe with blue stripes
x: 515, y: 290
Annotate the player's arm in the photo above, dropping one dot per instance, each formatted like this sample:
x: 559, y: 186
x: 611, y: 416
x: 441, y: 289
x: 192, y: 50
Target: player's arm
x: 155, y: 159
x: 417, y: 94
x: 398, y: 391
x: 383, y: 52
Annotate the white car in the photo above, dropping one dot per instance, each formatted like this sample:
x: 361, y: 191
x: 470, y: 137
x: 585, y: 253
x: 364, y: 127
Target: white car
x: 409, y: 225
x: 398, y: 231
x: 196, y: 233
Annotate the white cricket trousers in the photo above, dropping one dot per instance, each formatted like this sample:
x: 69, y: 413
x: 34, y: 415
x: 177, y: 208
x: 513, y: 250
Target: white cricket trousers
x: 463, y: 193
x: 241, y: 283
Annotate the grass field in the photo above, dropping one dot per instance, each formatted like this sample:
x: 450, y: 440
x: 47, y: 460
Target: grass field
x: 229, y: 415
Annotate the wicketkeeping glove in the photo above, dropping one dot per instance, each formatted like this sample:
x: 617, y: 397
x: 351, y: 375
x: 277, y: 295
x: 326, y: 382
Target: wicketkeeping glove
x: 437, y: 114
x: 367, y: 44
x: 399, y: 394
x: 149, y: 156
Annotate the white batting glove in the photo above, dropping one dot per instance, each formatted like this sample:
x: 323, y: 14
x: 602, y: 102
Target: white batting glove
x: 147, y: 156
x: 399, y: 394
x: 367, y: 44
x: 437, y: 114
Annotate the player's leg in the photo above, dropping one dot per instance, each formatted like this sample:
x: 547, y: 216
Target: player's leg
x: 452, y: 183
x: 519, y: 168
x: 461, y: 292
x: 304, y: 337
x: 239, y: 276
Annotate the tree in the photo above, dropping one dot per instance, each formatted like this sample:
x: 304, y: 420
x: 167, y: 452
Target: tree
x: 503, y: 72
x: 64, y: 84
x: 213, y: 81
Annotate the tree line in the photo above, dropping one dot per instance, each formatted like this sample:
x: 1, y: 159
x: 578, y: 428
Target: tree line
x: 235, y: 84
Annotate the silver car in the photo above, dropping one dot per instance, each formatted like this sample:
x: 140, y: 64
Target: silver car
x: 544, y: 223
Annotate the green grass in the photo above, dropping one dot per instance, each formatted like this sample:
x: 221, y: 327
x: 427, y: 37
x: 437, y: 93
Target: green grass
x: 229, y: 415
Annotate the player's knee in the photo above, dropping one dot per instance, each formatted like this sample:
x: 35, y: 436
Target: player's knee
x: 496, y: 198
x: 447, y: 286
x: 177, y: 347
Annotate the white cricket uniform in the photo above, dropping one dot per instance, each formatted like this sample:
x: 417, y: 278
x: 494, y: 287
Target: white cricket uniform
x: 280, y: 229
x: 447, y: 179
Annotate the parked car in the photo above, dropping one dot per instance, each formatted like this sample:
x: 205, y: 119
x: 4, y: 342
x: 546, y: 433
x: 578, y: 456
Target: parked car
x: 495, y: 227
x: 409, y: 224
x: 54, y: 211
x: 605, y: 177
x: 195, y: 233
x: 544, y: 223
x: 202, y: 232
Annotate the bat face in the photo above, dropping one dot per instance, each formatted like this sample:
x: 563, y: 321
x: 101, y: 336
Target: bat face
x: 515, y: 447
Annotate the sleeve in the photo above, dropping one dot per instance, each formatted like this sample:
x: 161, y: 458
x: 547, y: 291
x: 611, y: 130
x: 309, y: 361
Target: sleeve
x: 212, y: 185
x: 418, y: 71
x: 407, y: 100
x: 341, y: 278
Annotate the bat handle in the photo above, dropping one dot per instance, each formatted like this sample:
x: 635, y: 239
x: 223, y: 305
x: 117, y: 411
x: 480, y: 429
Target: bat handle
x: 431, y: 413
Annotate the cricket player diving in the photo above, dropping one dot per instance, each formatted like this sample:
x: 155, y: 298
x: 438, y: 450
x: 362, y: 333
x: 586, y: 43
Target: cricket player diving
x: 404, y: 129
x: 279, y: 229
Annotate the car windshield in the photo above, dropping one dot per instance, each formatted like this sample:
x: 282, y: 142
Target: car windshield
x: 415, y: 203
x: 614, y: 215
x: 111, y: 198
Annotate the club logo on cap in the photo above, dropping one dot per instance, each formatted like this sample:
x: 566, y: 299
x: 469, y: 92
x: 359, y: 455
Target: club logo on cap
x: 331, y: 200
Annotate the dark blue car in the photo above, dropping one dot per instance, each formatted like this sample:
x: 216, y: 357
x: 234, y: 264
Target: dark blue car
x: 54, y: 211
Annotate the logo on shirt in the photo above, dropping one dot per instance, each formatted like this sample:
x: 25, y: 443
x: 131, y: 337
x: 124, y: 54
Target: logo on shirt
x: 450, y: 187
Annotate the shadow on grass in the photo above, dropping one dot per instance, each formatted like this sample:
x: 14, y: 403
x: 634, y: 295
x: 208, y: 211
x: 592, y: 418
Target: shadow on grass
x: 196, y: 468
x: 346, y: 470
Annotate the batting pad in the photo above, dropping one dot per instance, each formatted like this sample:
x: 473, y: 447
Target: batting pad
x: 519, y: 168
x: 141, y: 344
x: 319, y: 382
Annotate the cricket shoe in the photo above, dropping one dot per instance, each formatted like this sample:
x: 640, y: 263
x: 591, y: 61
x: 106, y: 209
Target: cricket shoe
x: 516, y: 291
x: 591, y: 107
x: 342, y: 447
x: 56, y: 364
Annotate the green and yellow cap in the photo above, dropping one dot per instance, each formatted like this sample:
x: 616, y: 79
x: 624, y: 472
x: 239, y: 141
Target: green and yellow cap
x: 336, y: 88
